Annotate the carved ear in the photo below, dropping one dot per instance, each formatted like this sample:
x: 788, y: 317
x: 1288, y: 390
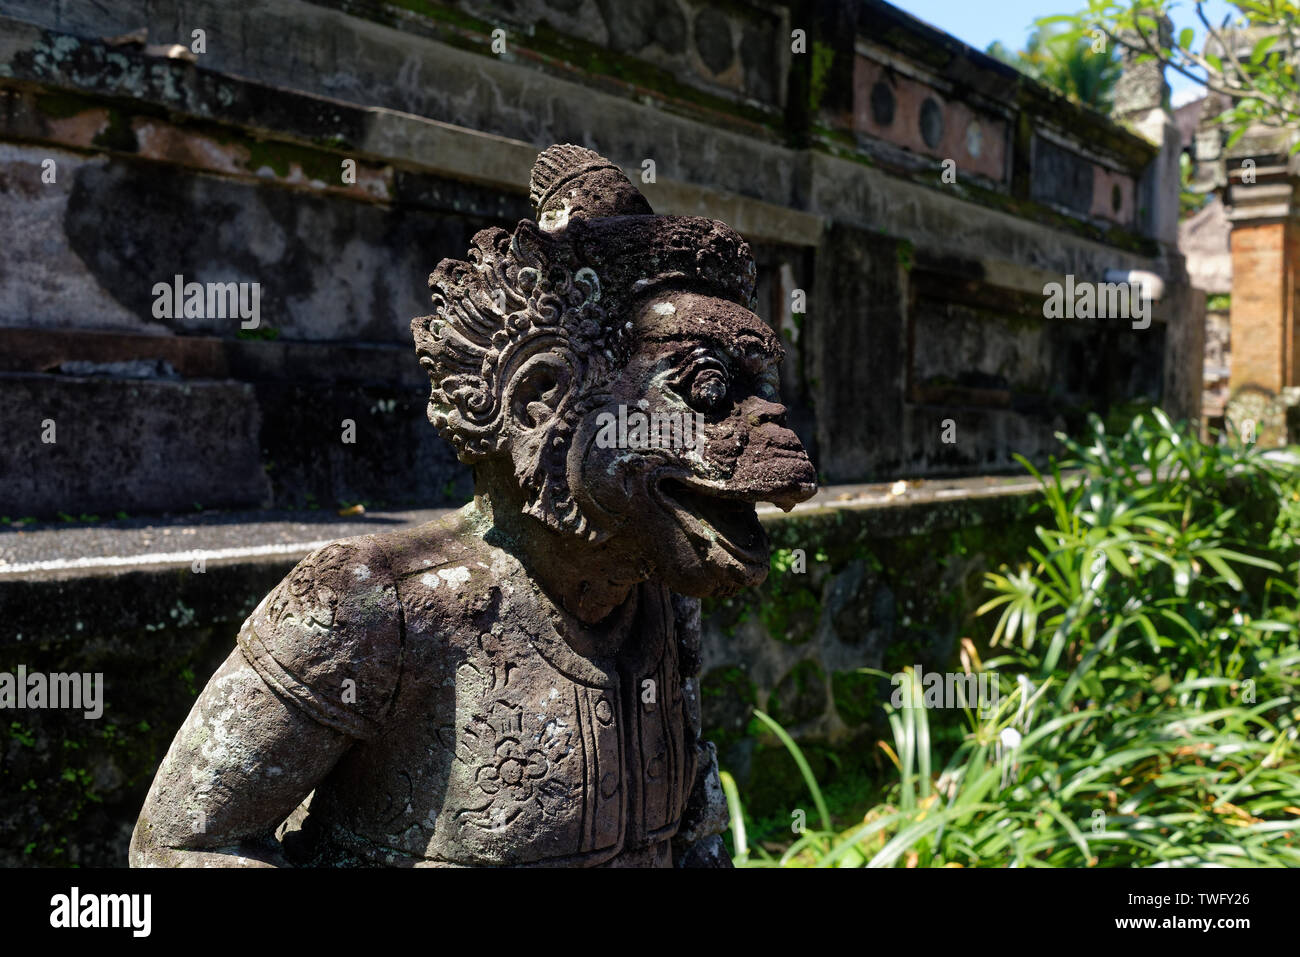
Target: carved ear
x: 538, y: 389
x: 543, y: 407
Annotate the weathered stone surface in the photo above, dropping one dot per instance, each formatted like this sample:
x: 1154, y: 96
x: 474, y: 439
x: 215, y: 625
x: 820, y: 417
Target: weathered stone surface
x: 110, y: 436
x: 239, y: 151
x: 290, y: 88
x: 72, y: 787
x: 303, y: 46
x: 513, y: 685
x: 392, y: 458
x: 887, y: 587
x: 325, y: 270
x: 863, y: 372
x: 327, y: 424
x: 42, y: 279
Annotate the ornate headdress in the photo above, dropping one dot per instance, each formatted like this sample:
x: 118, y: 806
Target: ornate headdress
x: 560, y: 284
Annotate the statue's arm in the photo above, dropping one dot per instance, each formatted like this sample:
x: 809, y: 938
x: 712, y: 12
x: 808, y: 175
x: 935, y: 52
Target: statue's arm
x: 241, y: 763
x: 699, y: 838
x: 314, y: 672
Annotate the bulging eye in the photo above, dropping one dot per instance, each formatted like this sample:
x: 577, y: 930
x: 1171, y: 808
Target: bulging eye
x: 708, y: 389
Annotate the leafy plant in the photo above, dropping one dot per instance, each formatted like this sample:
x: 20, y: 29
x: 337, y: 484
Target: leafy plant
x: 1248, y: 57
x: 1147, y: 660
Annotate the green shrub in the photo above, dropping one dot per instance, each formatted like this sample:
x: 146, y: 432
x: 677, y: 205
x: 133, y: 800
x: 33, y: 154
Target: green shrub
x: 1147, y: 659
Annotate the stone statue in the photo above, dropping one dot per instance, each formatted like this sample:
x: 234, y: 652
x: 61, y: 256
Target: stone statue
x: 516, y: 684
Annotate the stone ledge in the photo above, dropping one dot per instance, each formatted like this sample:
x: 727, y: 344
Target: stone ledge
x: 61, y: 550
x: 136, y: 443
x: 122, y: 89
x: 55, y: 549
x: 155, y: 629
x: 171, y: 96
x: 110, y: 444
x: 209, y: 357
x: 53, y: 577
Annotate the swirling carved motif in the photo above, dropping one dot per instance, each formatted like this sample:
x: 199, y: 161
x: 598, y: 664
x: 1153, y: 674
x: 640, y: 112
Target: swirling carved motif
x: 519, y: 296
x: 303, y: 598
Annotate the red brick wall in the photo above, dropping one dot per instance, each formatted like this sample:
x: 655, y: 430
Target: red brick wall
x: 1265, y: 262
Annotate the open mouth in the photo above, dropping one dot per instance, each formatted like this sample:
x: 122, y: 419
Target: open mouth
x: 727, y: 521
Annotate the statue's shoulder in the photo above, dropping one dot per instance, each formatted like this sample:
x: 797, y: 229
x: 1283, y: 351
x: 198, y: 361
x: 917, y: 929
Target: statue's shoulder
x: 413, y: 550
x: 445, y: 573
x: 328, y: 638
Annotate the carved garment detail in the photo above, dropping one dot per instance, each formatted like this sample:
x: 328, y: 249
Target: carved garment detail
x: 539, y: 756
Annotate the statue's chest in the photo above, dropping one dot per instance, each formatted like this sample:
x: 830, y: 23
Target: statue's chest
x: 508, y: 747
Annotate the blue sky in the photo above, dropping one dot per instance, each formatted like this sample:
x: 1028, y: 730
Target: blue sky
x: 979, y: 24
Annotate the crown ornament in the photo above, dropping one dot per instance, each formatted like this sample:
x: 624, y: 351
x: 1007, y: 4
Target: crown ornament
x: 573, y: 182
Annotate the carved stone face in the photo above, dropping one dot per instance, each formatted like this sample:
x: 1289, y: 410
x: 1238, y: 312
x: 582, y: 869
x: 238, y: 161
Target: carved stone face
x: 689, y: 437
x: 620, y: 408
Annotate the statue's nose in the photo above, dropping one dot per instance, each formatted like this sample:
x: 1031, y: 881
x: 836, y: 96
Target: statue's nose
x: 758, y: 411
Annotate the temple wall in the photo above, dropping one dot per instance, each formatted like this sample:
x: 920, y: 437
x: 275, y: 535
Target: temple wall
x: 918, y: 194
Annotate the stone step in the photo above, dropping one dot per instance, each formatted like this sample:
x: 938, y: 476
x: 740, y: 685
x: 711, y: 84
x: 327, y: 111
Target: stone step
x: 58, y: 551
x: 64, y: 580
x: 106, y: 423
x: 103, y: 445
x: 29, y: 349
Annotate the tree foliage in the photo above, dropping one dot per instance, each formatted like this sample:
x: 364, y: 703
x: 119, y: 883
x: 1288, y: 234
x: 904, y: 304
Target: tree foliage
x: 1249, y: 57
x: 1058, y: 56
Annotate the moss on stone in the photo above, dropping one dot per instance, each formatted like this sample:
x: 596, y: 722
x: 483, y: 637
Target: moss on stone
x: 842, y: 145
x: 823, y: 56
x: 280, y: 157
x: 468, y: 32
x: 788, y: 606
x: 906, y: 254
x: 727, y: 614
x: 68, y: 800
x: 117, y: 135
x: 855, y: 696
x: 334, y: 142
x: 445, y: 14
x: 776, y: 787
x: 60, y: 106
x: 800, y: 695
x: 727, y: 700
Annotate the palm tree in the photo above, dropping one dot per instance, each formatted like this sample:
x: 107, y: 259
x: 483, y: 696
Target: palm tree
x: 1066, y: 64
